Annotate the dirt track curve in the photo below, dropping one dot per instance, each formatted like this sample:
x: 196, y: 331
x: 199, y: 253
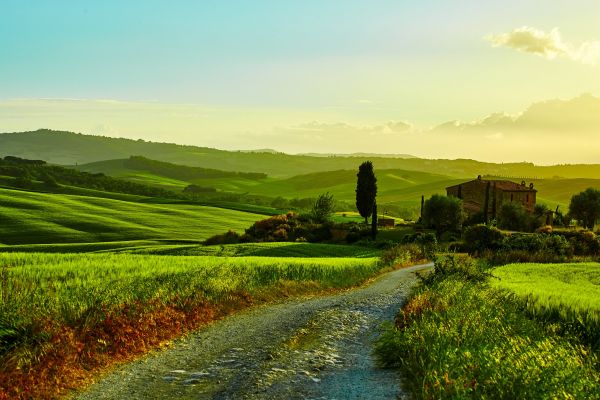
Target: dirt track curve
x: 308, y: 348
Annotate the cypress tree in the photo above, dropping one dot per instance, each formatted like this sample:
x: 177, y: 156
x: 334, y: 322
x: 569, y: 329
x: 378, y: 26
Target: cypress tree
x: 366, y: 190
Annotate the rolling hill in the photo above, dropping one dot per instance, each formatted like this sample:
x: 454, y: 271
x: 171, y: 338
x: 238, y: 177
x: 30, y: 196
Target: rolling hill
x: 31, y: 217
x: 400, y: 188
x: 69, y: 148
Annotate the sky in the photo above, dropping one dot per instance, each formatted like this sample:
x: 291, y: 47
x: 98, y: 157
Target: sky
x: 253, y: 74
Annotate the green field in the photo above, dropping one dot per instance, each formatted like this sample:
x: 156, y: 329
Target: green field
x: 464, y: 335
x: 30, y: 217
x: 68, y: 287
x: 567, y: 293
x: 64, y: 315
x: 193, y: 248
x: 397, y: 187
x: 275, y: 249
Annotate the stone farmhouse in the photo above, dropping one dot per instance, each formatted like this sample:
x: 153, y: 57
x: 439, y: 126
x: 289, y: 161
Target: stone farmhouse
x: 487, y: 196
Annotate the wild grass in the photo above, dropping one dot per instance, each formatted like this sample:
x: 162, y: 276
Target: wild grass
x: 459, y: 338
x: 568, y: 294
x: 194, y: 248
x: 68, y: 287
x: 272, y: 249
x: 64, y: 315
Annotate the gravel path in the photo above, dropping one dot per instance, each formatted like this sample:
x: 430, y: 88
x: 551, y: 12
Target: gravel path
x: 308, y: 348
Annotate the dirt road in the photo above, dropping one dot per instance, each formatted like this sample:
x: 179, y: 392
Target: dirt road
x: 310, y: 348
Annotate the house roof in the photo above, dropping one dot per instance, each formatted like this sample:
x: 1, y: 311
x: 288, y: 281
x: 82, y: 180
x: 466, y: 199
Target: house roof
x: 507, y: 186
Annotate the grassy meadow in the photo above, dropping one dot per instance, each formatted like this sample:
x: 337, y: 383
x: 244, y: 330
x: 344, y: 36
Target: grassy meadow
x: 566, y: 294
x: 466, y: 334
x: 399, y: 189
x: 269, y: 249
x: 31, y: 217
x: 64, y: 316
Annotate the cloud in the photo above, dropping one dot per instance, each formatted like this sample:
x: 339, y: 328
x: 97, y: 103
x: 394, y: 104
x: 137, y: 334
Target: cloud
x: 343, y: 129
x: 495, y: 136
x: 549, y: 45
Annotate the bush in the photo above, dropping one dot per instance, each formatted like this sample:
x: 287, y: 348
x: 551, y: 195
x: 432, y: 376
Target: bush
x: 482, y: 237
x: 584, y: 243
x: 356, y: 233
x: 402, y: 254
x: 323, y: 208
x: 547, y: 229
x: 230, y: 237
x: 23, y: 182
x: 539, y: 243
x: 524, y: 248
x: 193, y: 189
x: 458, y: 266
x: 449, y: 237
x: 278, y: 228
x: 442, y: 213
x: 514, y: 217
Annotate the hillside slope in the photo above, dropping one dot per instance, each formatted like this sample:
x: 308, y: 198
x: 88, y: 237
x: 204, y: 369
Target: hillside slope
x: 402, y: 188
x: 30, y: 217
x: 69, y: 148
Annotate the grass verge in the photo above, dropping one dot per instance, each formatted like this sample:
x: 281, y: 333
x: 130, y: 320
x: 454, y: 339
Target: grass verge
x: 458, y: 337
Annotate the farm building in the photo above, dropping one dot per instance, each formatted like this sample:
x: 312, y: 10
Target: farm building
x: 386, y: 222
x: 480, y: 195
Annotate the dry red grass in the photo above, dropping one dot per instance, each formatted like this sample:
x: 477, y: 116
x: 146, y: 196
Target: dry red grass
x: 74, y: 355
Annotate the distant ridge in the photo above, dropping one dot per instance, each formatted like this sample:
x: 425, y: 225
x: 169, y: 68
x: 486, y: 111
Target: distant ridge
x: 357, y: 155
x: 68, y: 148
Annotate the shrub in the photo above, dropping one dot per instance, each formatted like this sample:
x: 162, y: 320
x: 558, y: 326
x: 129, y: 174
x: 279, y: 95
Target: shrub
x: 584, y: 243
x: 536, y: 243
x: 230, y: 237
x: 514, y: 217
x: 482, y: 237
x: 442, y: 213
x: 277, y: 228
x: 459, y: 266
x: 402, y: 254
x: 192, y: 189
x: 547, y: 229
x: 323, y: 208
x: 23, y: 182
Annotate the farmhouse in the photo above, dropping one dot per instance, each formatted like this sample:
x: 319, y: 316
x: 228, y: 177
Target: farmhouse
x: 487, y: 196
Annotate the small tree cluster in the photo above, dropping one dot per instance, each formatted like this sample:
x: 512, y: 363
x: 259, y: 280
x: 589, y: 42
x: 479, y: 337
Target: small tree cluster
x: 443, y: 213
x: 585, y: 207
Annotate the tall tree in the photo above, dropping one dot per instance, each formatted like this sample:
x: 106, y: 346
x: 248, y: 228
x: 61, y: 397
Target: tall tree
x: 585, y: 207
x: 366, y: 190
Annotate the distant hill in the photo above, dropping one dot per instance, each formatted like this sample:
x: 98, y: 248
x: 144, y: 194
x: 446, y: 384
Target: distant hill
x: 69, y: 148
x: 398, y: 189
x: 357, y: 155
